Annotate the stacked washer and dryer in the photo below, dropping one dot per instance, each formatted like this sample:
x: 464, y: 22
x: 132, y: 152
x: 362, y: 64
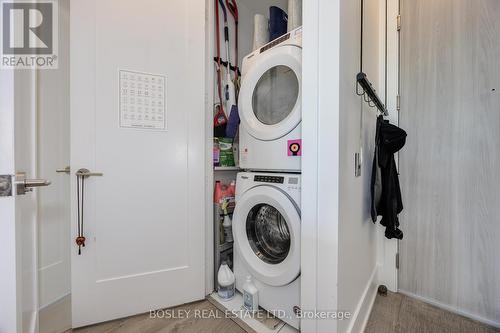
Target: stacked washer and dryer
x: 266, y: 220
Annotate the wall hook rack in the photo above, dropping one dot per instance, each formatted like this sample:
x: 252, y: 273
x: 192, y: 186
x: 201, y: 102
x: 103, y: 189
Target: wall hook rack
x: 369, y: 93
x: 224, y: 63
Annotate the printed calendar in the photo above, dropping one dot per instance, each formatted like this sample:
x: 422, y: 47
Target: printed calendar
x: 142, y: 100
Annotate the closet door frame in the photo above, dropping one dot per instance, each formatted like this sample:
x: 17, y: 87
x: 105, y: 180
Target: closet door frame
x: 387, y: 251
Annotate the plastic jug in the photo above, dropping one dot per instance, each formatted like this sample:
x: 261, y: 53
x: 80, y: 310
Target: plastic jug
x: 225, y: 280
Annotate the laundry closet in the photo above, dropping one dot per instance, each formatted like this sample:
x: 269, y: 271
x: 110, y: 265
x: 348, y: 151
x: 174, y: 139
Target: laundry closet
x: 142, y: 181
x: 257, y: 165
x: 154, y: 164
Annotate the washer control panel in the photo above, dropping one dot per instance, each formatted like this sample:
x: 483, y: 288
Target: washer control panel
x: 269, y: 179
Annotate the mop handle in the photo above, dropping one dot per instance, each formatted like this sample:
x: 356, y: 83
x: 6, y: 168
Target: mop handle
x: 224, y: 12
x: 226, y: 30
x: 233, y: 9
x: 219, y: 79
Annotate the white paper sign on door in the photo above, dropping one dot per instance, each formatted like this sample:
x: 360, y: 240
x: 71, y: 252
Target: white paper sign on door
x: 143, y: 100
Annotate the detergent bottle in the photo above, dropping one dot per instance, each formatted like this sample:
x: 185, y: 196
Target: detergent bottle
x: 250, y: 295
x: 228, y: 229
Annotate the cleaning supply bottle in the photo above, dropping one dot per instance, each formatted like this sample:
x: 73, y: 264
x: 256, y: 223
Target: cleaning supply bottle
x: 218, y: 191
x: 232, y: 188
x: 250, y: 295
x: 225, y: 280
x: 228, y: 229
x: 216, y: 152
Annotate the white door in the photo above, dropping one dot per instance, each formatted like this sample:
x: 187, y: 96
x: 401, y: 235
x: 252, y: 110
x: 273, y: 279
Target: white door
x: 18, y: 206
x: 135, y: 65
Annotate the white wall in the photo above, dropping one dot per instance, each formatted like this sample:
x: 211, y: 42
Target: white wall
x: 339, y: 261
x: 357, y: 268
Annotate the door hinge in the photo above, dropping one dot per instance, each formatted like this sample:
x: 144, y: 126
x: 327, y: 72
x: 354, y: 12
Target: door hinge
x: 398, y: 102
x: 398, y: 22
x: 397, y: 260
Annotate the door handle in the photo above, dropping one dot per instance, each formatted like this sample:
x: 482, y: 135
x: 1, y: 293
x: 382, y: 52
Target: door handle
x: 81, y: 175
x: 86, y: 173
x: 66, y: 170
x: 24, y: 185
x: 36, y: 183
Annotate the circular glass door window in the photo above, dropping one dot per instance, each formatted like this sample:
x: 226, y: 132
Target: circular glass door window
x: 268, y: 233
x: 275, y: 95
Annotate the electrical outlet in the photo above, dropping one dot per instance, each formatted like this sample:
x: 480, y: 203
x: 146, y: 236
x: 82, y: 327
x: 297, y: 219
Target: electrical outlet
x: 357, y: 164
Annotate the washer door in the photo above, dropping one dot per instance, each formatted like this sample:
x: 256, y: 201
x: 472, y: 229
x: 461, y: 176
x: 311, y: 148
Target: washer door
x: 270, y: 95
x: 266, y: 229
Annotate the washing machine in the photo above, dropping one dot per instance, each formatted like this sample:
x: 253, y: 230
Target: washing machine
x: 270, y: 106
x: 266, y: 232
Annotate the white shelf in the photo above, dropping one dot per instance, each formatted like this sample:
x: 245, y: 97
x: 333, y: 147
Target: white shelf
x: 233, y: 168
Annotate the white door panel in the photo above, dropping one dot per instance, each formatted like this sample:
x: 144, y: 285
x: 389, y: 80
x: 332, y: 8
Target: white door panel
x: 53, y: 153
x: 449, y: 166
x: 18, y: 228
x: 143, y: 219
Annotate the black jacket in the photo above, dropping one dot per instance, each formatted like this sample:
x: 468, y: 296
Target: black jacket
x: 386, y: 193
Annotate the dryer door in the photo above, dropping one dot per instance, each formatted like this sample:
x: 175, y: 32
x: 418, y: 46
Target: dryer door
x: 270, y: 95
x: 266, y: 229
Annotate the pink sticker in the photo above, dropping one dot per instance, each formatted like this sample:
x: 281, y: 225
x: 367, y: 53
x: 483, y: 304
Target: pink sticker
x: 294, y: 147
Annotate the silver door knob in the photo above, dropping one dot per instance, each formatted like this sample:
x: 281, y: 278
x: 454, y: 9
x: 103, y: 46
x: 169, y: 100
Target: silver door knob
x: 24, y: 185
x: 65, y: 170
x: 36, y: 182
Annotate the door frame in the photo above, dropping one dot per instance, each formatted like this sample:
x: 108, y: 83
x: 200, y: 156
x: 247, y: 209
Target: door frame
x: 387, y: 249
x: 319, y: 209
x: 320, y: 160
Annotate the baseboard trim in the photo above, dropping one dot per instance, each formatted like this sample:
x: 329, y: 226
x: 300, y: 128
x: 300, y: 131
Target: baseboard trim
x: 363, y: 309
x: 451, y: 309
x: 56, y: 316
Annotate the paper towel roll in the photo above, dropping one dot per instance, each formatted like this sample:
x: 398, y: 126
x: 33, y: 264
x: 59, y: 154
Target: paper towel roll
x: 294, y: 14
x: 260, y: 31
